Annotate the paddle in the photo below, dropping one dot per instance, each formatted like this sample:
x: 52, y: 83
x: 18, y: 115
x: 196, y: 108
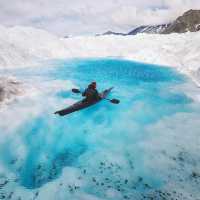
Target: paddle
x: 74, y: 90
x: 114, y: 101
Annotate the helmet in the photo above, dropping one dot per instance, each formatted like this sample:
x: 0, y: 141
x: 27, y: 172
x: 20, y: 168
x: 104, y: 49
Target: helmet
x: 93, y: 85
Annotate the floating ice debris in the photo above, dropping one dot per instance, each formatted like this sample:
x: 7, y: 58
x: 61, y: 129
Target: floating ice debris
x: 9, y: 89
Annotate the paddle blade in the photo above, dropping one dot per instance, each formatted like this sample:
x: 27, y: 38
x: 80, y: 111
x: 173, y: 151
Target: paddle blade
x: 115, y: 101
x: 74, y: 90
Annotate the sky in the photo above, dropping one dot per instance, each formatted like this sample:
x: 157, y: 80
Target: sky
x: 84, y: 17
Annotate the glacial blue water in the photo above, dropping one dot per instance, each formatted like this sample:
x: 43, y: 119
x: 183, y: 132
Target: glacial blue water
x: 107, y: 145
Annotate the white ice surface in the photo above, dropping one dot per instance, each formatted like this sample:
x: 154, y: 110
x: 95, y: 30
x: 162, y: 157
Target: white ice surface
x: 25, y: 46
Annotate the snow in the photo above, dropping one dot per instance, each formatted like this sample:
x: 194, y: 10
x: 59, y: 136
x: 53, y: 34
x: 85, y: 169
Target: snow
x: 25, y: 46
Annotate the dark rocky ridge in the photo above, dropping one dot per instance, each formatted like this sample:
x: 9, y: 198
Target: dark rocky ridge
x: 189, y: 21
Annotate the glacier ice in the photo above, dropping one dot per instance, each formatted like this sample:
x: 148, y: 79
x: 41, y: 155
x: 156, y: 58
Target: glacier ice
x: 23, y: 46
x: 146, y: 147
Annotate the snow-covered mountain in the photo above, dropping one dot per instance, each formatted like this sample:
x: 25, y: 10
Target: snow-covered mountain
x: 153, y: 29
x: 189, y: 21
x: 112, y: 33
x: 149, y: 29
x: 22, y: 46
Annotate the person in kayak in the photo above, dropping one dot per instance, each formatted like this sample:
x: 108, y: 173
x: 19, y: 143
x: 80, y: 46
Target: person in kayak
x: 91, y: 93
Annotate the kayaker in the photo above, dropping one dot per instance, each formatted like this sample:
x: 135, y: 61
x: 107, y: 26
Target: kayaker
x: 91, y: 92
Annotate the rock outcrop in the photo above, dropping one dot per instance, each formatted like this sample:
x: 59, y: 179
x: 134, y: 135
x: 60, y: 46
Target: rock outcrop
x: 189, y: 21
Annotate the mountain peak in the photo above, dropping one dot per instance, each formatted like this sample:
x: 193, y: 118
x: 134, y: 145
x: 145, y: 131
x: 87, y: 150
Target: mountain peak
x: 113, y: 33
x: 189, y: 21
x: 152, y: 29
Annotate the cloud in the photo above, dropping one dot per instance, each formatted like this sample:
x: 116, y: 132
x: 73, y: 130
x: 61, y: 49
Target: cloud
x: 91, y: 16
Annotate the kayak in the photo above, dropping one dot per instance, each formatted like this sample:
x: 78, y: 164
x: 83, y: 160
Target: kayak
x: 83, y: 104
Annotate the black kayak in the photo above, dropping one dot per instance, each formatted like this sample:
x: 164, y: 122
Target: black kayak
x: 83, y: 104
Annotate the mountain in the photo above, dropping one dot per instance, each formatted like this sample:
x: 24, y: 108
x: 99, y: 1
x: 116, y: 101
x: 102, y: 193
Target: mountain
x: 189, y: 21
x: 141, y: 29
x: 111, y: 33
x: 149, y: 29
